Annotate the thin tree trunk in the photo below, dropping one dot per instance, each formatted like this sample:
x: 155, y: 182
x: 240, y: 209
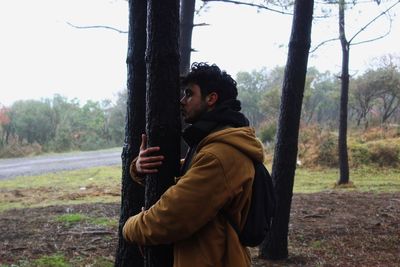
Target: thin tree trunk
x: 163, y: 109
x: 185, y: 38
x: 275, y: 247
x: 132, y: 195
x: 344, y: 99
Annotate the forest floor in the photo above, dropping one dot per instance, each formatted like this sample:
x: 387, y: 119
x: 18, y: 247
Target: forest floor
x: 330, y: 228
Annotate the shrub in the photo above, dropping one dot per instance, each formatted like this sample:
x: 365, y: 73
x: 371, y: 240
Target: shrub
x: 317, y: 147
x: 267, y: 132
x: 15, y: 150
x: 385, y: 154
x: 359, y: 154
x: 328, y: 151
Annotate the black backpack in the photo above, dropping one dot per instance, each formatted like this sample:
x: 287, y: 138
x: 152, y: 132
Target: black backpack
x: 262, y: 208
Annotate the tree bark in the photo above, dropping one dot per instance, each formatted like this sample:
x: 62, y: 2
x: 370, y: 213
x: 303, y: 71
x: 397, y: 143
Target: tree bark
x: 344, y: 99
x: 132, y: 195
x: 275, y: 247
x: 185, y: 37
x: 163, y: 109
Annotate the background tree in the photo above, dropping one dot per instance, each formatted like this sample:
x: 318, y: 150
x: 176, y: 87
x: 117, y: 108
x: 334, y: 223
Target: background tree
x: 187, y: 9
x: 284, y: 165
x: 389, y: 88
x: 344, y: 95
x: 117, y: 119
x: 132, y: 194
x: 364, y: 94
x: 4, y: 123
x: 251, y: 87
x: 163, y: 109
x: 32, y: 121
x: 271, y: 99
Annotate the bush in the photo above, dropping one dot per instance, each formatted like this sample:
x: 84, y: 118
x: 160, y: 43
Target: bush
x: 378, y: 133
x: 16, y: 150
x: 267, y: 132
x: 317, y: 147
x: 385, y: 154
x: 359, y: 154
x: 328, y: 151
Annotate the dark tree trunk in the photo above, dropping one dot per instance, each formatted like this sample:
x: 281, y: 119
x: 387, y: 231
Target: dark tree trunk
x: 163, y: 112
x: 344, y: 99
x: 185, y: 37
x: 132, y: 195
x: 275, y: 246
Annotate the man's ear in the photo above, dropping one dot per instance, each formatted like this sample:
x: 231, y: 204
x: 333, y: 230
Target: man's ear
x: 212, y: 99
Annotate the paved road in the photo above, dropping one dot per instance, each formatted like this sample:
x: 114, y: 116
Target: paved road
x: 10, y: 168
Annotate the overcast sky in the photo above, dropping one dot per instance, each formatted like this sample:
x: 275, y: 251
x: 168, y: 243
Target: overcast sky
x: 41, y: 55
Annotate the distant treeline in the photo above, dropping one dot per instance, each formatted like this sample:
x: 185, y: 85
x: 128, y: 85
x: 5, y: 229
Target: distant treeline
x: 60, y: 124
x: 374, y: 97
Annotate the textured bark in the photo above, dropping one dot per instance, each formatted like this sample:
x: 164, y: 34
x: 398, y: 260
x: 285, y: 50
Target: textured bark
x: 132, y: 195
x: 163, y: 112
x: 343, y: 156
x: 275, y: 246
x: 185, y: 37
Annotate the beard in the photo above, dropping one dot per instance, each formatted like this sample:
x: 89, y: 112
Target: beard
x: 194, y: 115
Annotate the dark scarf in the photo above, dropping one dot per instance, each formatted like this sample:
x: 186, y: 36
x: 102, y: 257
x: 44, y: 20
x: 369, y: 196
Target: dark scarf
x: 227, y: 114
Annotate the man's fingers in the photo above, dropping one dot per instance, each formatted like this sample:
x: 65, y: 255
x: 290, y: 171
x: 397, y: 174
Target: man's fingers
x: 151, y: 165
x: 151, y: 159
x: 145, y: 152
x: 144, y: 142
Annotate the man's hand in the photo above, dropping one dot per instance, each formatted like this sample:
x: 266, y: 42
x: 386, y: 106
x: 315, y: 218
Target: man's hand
x: 145, y: 162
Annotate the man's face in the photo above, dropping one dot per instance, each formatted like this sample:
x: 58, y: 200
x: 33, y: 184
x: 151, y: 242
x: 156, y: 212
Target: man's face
x: 192, y: 104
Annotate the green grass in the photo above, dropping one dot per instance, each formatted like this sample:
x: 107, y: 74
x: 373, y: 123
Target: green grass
x: 104, y: 221
x: 102, y: 184
x: 368, y: 179
x: 72, y: 218
x: 102, y: 176
x: 57, y: 260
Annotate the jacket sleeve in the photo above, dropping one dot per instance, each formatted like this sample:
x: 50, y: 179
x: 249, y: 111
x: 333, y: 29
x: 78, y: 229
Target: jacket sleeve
x: 134, y: 174
x: 185, y: 207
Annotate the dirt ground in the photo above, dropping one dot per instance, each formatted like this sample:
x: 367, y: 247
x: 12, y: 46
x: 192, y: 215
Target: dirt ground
x: 327, y: 229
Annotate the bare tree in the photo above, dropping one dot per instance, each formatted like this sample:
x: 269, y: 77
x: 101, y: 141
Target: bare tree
x: 344, y: 98
x: 185, y: 38
x: 284, y: 165
x: 344, y: 77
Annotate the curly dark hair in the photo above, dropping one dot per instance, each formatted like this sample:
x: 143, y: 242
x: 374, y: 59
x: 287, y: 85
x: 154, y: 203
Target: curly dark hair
x: 210, y: 78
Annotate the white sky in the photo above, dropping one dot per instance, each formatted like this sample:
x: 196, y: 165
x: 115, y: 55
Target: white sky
x: 40, y: 55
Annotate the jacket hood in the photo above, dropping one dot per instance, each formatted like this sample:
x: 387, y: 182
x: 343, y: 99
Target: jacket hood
x: 242, y: 138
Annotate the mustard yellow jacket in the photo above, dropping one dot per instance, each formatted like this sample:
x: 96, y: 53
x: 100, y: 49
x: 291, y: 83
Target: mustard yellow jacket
x: 187, y: 214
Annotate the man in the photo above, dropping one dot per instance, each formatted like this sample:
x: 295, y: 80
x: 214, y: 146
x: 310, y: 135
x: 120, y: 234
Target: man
x: 217, y: 175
